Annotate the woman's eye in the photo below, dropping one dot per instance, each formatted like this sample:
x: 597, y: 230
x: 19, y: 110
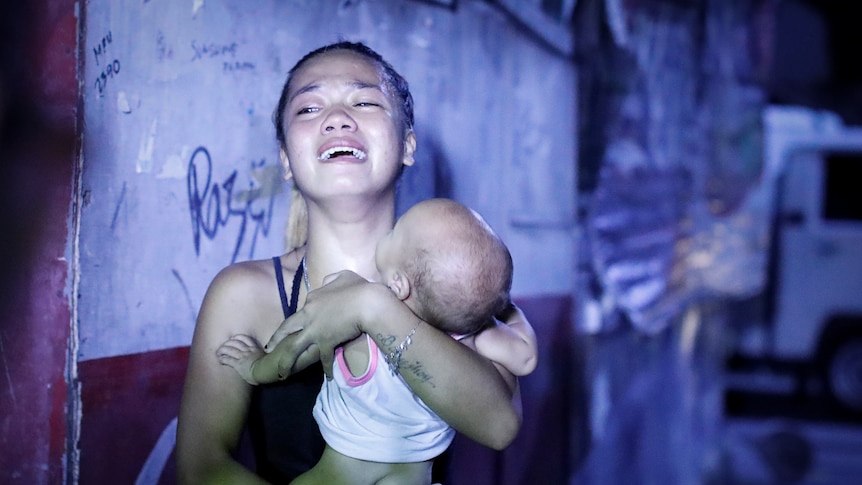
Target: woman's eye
x: 307, y: 109
x: 364, y: 104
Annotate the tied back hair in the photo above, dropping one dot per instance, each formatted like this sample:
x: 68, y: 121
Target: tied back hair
x: 296, y: 232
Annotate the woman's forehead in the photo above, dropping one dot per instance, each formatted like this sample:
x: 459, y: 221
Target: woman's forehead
x: 341, y: 66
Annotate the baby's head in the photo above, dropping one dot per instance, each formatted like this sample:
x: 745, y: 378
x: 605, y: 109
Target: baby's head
x: 447, y: 264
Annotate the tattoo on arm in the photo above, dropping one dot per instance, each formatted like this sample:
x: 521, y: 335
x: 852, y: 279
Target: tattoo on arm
x: 417, y: 370
x: 389, y: 342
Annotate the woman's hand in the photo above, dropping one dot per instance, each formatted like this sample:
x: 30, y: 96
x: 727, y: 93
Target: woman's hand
x: 331, y: 316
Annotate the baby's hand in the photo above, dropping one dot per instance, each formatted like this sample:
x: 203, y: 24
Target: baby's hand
x: 241, y: 352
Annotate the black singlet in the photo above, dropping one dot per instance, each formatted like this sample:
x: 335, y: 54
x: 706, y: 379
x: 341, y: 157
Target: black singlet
x: 285, y: 437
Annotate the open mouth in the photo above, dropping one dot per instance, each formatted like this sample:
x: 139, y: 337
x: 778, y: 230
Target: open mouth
x: 341, y: 152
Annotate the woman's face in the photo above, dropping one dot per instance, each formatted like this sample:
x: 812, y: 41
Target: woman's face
x: 342, y: 129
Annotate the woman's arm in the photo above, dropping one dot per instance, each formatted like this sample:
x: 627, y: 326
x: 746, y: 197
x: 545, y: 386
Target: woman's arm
x: 465, y: 389
x: 215, y: 398
x: 468, y: 391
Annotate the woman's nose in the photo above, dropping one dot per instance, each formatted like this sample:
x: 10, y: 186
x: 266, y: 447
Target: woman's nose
x: 338, y: 119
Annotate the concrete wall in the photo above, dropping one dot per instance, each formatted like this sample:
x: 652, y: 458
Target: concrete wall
x: 180, y: 171
x: 180, y: 176
x: 621, y: 182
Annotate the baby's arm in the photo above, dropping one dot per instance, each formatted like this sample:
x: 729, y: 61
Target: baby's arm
x: 247, y: 357
x: 510, y: 343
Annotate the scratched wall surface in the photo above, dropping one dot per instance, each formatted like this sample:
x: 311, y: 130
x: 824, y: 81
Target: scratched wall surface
x: 180, y: 163
x: 180, y: 178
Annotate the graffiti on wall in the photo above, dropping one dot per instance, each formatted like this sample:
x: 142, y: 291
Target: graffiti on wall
x: 213, y: 204
x: 109, y: 67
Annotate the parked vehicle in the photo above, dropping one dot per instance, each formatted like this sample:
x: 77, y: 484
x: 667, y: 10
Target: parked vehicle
x: 814, y: 307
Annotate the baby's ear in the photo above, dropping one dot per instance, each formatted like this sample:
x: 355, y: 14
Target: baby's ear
x: 400, y: 285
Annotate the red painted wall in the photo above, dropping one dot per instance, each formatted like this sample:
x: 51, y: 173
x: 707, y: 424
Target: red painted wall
x: 127, y: 402
x: 38, y: 103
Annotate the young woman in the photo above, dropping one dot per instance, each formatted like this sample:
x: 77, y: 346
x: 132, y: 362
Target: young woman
x: 344, y: 123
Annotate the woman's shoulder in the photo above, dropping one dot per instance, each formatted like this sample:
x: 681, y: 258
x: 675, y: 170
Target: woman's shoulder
x: 244, y: 298
x: 249, y: 278
x: 245, y: 273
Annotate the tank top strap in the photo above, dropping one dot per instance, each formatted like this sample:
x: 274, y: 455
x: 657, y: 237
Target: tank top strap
x: 285, y: 437
x: 288, y: 307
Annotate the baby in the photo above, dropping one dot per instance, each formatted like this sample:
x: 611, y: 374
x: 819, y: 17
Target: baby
x: 450, y: 268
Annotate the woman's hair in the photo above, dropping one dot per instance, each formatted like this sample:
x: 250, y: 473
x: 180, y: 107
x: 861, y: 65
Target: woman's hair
x: 296, y: 232
x: 397, y: 87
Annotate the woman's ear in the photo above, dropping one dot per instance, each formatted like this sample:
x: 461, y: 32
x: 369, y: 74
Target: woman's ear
x: 285, y: 163
x: 409, y: 149
x: 399, y: 284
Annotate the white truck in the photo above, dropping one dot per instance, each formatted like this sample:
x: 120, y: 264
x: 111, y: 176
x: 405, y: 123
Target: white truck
x: 814, y: 302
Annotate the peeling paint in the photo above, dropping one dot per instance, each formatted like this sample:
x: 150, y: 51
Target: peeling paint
x: 175, y: 165
x: 123, y: 103
x: 268, y: 179
x: 145, y: 152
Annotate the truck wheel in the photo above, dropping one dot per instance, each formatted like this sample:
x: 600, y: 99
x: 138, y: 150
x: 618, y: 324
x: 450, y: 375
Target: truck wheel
x: 844, y: 374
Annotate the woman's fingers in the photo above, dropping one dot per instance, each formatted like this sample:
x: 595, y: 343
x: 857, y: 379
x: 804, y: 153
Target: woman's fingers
x: 292, y: 325
x: 318, y: 306
x: 326, y: 358
x: 288, y: 351
x: 323, y: 323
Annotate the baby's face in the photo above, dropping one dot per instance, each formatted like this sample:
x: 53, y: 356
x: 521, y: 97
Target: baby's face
x: 392, y: 247
x: 422, y: 224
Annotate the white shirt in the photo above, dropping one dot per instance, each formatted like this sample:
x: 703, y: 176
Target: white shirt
x: 376, y: 416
